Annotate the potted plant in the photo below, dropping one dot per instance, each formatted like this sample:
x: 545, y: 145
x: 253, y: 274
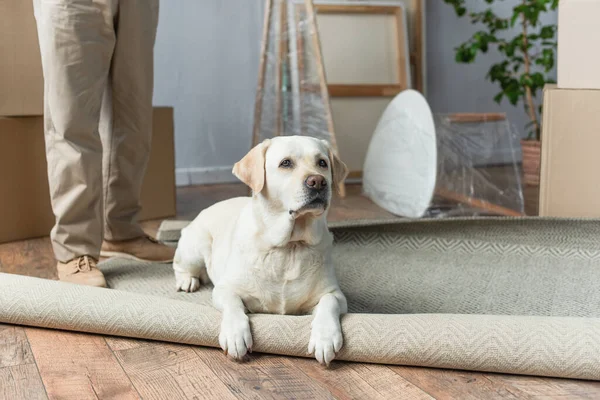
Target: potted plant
x: 527, y: 60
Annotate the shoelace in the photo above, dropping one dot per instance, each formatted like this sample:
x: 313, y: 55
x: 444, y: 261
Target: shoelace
x: 85, y: 264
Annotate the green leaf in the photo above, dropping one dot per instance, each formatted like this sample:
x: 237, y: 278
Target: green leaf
x: 514, y: 18
x: 548, y: 59
x: 501, y: 24
x: 538, y: 79
x: 510, y: 49
x: 526, y: 80
x: 547, y: 32
x: 465, y: 54
x: 473, y: 49
x: 513, y: 97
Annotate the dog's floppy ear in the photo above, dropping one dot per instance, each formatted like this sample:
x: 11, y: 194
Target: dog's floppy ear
x: 251, y: 168
x: 339, y: 170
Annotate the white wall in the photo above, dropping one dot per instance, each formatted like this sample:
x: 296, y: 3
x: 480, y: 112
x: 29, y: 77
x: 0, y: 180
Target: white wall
x: 207, y: 56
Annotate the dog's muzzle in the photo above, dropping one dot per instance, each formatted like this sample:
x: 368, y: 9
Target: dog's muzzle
x: 316, y: 183
x: 316, y: 194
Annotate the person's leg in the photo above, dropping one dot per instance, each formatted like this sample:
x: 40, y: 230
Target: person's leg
x: 76, y: 42
x: 126, y: 124
x: 126, y: 131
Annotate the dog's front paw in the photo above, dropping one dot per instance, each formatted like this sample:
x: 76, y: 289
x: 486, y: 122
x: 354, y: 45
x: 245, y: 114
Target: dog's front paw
x: 185, y: 282
x: 325, y: 339
x: 235, y: 337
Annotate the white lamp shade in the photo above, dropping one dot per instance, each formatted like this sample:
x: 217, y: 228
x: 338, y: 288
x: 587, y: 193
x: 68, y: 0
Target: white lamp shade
x: 399, y: 173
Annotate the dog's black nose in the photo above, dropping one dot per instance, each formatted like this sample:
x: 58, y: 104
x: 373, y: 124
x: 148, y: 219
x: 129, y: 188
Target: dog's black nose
x: 316, y: 182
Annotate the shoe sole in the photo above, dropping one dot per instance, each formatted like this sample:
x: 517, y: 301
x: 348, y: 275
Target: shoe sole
x: 109, y: 254
x: 105, y: 285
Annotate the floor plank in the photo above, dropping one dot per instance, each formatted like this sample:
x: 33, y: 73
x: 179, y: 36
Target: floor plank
x: 32, y: 257
x: 14, y: 347
x: 19, y: 376
x: 389, y: 384
x: 161, y: 371
x: 119, y: 343
x: 448, y: 384
x: 342, y: 379
x: 78, y: 366
x: 263, y: 377
x: 550, y: 388
x: 21, y: 382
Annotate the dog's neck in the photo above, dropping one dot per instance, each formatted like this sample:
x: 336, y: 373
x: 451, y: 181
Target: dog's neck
x: 280, y: 228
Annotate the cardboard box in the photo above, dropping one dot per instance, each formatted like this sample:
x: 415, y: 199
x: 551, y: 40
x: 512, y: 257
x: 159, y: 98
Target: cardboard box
x: 25, y: 210
x: 569, y: 181
x: 158, y: 190
x: 21, y: 79
x: 578, y: 61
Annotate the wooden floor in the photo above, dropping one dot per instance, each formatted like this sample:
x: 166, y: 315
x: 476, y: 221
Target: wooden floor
x: 38, y: 364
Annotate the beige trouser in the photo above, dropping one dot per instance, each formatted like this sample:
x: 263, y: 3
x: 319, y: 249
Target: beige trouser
x: 97, y: 59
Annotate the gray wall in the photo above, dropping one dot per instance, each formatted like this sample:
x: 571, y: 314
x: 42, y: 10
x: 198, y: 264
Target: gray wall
x: 206, y: 66
x: 207, y: 55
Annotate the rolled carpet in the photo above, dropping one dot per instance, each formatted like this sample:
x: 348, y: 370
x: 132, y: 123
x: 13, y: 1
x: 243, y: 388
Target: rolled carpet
x: 500, y: 295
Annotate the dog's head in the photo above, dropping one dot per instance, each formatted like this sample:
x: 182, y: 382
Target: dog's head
x: 296, y: 174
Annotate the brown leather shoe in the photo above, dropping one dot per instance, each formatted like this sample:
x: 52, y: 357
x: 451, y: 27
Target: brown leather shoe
x: 140, y: 249
x: 82, y: 271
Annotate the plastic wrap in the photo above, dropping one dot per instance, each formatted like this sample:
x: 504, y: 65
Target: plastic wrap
x: 292, y: 98
x: 425, y: 165
x: 478, y: 172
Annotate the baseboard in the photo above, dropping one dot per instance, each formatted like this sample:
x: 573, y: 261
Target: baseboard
x: 204, y: 176
x: 182, y: 177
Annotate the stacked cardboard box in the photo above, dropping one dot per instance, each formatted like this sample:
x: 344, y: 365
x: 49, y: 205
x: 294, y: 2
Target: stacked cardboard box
x: 25, y: 210
x: 578, y: 36
x: 21, y: 81
x: 569, y: 186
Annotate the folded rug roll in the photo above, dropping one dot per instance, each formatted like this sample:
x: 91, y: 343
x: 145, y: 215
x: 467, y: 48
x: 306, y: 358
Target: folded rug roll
x: 500, y: 295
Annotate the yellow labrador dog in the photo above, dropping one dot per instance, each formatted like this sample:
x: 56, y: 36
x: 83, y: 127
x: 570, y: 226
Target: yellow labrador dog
x: 271, y: 253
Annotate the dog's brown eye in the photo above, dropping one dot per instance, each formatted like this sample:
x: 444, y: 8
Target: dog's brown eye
x: 285, y: 163
x: 322, y: 163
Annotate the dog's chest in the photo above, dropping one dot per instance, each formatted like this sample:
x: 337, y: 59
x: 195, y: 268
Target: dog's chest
x: 284, y: 280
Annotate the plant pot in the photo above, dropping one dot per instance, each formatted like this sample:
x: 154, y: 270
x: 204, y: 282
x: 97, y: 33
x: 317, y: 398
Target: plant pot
x: 531, y: 150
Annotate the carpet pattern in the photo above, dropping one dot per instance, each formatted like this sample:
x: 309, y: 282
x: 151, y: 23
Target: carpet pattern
x: 500, y: 295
